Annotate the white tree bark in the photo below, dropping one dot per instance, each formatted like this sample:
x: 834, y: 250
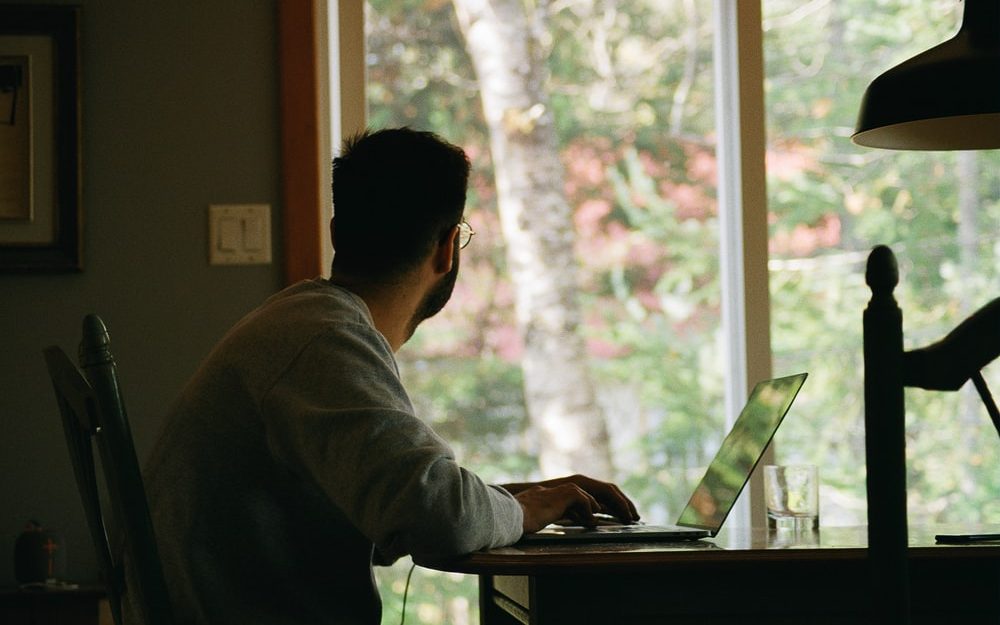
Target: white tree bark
x: 508, y: 52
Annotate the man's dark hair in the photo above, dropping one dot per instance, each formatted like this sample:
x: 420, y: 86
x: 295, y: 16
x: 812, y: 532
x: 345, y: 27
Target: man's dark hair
x: 396, y: 193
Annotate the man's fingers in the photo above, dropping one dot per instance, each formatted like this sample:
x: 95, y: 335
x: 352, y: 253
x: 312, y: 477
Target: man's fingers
x: 614, y: 501
x: 621, y: 506
x: 577, y: 498
x: 580, y: 505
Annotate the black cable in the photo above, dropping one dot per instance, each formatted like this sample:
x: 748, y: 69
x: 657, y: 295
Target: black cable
x: 406, y: 591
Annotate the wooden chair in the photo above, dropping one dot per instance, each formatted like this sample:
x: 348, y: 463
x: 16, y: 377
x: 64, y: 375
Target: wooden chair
x: 92, y: 410
x: 943, y: 366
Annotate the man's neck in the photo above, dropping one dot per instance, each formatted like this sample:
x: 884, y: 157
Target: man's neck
x: 392, y: 306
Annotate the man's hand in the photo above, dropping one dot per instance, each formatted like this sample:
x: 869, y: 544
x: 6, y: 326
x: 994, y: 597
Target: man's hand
x: 576, y: 497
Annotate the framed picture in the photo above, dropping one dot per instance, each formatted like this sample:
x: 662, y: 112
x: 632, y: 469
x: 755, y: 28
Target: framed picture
x: 40, y: 204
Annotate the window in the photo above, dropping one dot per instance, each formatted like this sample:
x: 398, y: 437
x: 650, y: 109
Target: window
x: 591, y: 304
x: 830, y: 202
x: 629, y: 92
x: 634, y: 142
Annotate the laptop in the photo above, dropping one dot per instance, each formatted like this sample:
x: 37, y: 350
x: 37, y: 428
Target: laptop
x: 727, y: 475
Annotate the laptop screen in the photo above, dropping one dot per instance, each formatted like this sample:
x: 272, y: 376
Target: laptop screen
x: 740, y: 452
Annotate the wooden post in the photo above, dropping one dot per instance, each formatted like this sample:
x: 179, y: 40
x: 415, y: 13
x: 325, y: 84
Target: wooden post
x: 885, y: 443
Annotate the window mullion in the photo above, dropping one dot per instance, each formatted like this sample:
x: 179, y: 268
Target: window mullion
x: 742, y: 209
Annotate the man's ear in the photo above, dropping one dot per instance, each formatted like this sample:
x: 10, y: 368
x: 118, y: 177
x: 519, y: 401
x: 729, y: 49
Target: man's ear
x: 444, y: 253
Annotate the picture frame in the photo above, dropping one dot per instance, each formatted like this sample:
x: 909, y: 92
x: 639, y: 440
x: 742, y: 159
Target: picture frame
x: 40, y: 179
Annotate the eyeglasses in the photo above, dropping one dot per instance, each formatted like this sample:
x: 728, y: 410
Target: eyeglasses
x: 465, y: 234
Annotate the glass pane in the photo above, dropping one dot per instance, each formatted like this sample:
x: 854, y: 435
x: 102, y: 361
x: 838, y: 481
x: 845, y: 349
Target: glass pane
x: 587, y: 310
x: 830, y: 203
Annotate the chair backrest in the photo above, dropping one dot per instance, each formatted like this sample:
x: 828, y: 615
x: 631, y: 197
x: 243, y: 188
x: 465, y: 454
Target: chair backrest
x: 93, y: 411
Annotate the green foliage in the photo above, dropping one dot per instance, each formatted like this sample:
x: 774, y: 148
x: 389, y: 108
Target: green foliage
x: 476, y: 404
x: 433, y: 596
x: 819, y: 59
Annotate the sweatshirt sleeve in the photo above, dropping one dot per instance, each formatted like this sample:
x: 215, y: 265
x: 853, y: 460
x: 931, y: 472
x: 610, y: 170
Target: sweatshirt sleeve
x: 339, y: 417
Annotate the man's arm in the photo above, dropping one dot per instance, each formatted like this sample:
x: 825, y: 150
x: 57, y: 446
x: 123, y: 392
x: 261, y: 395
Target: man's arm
x: 577, y: 497
x: 339, y: 417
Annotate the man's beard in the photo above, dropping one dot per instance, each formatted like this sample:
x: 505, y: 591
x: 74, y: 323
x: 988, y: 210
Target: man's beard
x: 436, y: 298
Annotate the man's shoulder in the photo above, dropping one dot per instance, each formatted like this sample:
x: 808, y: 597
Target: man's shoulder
x: 305, y: 309
x: 296, y: 317
x: 318, y: 297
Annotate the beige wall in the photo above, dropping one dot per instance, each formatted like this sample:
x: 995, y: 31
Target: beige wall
x: 179, y: 104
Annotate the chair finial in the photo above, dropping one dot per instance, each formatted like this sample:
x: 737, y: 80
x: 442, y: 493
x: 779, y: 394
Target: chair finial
x: 95, y: 346
x: 882, y: 273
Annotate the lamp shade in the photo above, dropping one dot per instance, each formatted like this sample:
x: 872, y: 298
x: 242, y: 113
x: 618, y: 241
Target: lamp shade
x: 947, y: 98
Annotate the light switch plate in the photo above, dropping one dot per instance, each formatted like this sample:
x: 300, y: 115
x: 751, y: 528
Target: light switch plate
x: 239, y: 234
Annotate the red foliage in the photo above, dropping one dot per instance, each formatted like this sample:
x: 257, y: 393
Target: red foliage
x: 804, y: 240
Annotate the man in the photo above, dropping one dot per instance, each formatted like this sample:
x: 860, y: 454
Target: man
x: 293, y: 458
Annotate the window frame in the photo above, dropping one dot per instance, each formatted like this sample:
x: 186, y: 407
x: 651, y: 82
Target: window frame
x: 740, y: 119
x: 322, y: 63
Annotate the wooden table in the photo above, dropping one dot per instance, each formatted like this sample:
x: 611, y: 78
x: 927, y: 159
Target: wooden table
x: 737, y: 577
x: 70, y: 605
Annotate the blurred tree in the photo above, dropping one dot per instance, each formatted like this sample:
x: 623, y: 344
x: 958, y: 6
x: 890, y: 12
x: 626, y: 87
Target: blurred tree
x: 507, y: 43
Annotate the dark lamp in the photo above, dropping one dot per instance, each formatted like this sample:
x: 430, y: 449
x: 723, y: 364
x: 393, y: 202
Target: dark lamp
x: 947, y: 98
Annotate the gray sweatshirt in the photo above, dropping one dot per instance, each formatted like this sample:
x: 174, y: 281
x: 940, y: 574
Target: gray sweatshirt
x: 290, y: 455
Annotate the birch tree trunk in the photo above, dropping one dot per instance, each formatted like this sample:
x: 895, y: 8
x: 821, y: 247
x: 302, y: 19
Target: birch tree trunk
x: 508, y: 52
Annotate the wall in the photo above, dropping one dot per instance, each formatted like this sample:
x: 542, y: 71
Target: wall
x: 179, y: 105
